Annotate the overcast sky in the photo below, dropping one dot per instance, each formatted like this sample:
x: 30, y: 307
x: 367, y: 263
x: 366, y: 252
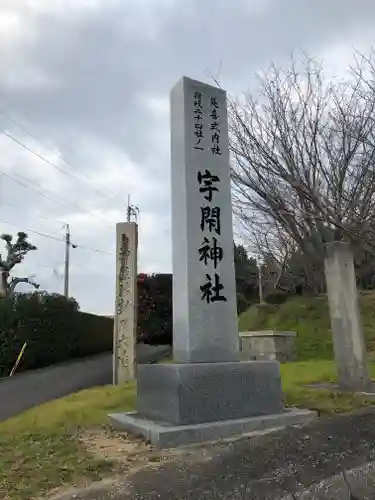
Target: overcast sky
x: 85, y: 84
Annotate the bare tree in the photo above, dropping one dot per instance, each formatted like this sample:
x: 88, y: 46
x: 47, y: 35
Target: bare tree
x: 15, y: 254
x: 303, y: 161
x: 271, y: 244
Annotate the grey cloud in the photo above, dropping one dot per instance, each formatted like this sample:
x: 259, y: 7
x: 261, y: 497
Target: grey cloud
x: 102, y: 69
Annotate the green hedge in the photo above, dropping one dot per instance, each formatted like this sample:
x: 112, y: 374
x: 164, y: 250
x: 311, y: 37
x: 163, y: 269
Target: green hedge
x: 242, y: 303
x: 53, y: 328
x: 95, y: 335
x: 155, y: 309
x: 278, y: 297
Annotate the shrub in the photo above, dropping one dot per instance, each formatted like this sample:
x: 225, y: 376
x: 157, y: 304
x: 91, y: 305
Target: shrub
x: 95, y: 335
x: 44, y: 322
x: 155, y: 322
x: 242, y: 303
x: 277, y: 297
x: 53, y: 328
x: 155, y: 309
x: 56, y: 330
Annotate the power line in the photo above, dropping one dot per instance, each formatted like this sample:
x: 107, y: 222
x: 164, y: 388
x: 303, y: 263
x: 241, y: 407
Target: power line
x: 104, y: 193
x: 33, y: 231
x: 94, y: 250
x: 50, y: 267
x: 13, y: 205
x: 43, y: 191
x: 63, y: 224
x: 41, y: 157
x: 55, y: 197
x: 62, y: 240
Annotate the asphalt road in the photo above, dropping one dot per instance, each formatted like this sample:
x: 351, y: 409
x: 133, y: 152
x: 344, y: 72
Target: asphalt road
x: 306, y: 462
x: 21, y: 392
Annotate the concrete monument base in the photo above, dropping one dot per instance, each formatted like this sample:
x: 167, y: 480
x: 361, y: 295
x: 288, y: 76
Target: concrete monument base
x: 194, y: 393
x: 166, y: 435
x: 180, y: 404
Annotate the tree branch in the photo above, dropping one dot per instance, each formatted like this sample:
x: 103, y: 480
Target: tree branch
x: 16, y: 281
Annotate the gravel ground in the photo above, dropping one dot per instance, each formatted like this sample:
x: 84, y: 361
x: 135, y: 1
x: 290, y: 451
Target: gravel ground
x: 306, y: 461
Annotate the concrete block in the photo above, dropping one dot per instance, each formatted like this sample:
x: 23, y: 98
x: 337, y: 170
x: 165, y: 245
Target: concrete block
x: 267, y: 344
x: 166, y: 435
x: 203, y: 392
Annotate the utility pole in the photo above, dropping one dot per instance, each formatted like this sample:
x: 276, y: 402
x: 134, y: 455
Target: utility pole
x: 67, y: 261
x: 132, y: 210
x: 128, y: 210
x: 260, y: 282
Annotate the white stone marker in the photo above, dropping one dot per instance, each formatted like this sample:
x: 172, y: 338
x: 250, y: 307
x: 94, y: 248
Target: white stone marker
x: 125, y: 322
x: 204, y: 290
x: 347, y: 331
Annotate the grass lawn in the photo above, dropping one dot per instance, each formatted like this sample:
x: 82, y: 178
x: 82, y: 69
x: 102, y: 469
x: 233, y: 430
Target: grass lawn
x: 298, y: 374
x: 39, y: 449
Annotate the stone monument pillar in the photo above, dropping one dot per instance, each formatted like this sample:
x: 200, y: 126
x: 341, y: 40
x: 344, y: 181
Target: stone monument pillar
x: 125, y: 322
x: 204, y: 289
x: 348, y: 339
x: 207, y: 393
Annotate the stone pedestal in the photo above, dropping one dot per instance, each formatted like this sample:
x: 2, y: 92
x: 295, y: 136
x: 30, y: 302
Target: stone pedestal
x: 194, y: 393
x: 348, y: 339
x: 180, y: 404
x: 163, y: 434
x: 208, y: 394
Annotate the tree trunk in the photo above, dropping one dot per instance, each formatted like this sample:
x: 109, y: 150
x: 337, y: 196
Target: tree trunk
x: 3, y: 282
